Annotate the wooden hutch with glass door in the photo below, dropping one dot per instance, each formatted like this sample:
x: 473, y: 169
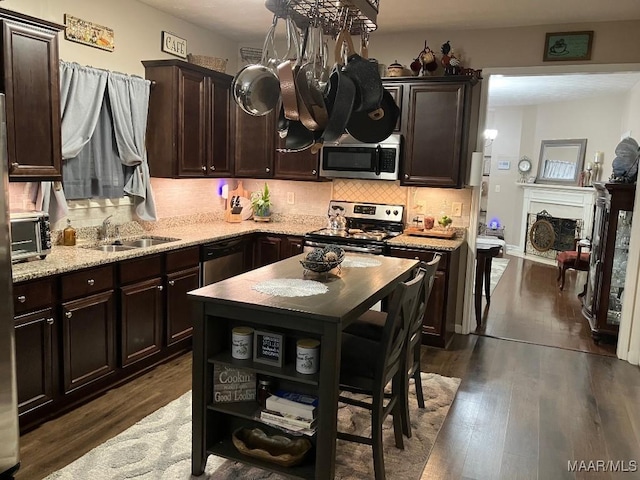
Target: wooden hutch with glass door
x: 602, y: 303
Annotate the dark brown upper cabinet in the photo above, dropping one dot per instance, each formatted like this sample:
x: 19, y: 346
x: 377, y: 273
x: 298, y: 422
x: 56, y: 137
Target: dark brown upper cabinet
x: 254, y: 144
x: 188, y: 129
x: 30, y: 81
x: 439, y: 121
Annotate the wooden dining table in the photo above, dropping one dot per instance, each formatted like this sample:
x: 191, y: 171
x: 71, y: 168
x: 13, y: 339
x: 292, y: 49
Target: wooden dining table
x: 219, y: 307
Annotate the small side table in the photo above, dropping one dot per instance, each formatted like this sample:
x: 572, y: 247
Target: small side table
x: 486, y: 250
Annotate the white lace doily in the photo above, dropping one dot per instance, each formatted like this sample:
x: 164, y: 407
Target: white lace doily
x: 360, y: 262
x: 290, y: 287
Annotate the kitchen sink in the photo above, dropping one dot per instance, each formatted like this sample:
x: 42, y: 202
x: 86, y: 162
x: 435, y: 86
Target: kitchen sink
x: 147, y: 242
x: 111, y: 248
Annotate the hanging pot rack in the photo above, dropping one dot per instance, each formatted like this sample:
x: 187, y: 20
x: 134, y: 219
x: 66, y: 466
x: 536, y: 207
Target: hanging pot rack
x: 359, y: 16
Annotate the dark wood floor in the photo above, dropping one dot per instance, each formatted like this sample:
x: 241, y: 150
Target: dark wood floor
x: 522, y: 410
x: 527, y: 305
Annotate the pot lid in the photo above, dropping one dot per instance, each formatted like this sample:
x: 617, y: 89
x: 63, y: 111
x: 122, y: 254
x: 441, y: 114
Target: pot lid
x: 395, y: 65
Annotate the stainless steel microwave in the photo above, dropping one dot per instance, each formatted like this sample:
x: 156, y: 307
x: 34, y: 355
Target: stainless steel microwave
x: 353, y: 159
x: 30, y: 235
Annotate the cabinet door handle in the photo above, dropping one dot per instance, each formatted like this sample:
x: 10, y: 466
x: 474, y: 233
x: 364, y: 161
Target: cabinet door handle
x: 91, y: 282
x: 212, y: 168
x: 267, y: 169
x: 172, y: 283
x: 22, y: 298
x: 406, y: 175
x: 313, y: 172
x: 50, y: 321
x: 68, y: 314
x: 204, y: 169
x: 15, y: 165
x: 160, y: 287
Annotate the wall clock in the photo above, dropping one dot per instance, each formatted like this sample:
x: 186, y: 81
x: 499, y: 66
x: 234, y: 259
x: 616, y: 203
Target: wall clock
x: 524, y: 167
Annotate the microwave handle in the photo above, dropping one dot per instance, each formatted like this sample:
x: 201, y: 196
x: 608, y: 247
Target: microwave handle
x: 377, y: 159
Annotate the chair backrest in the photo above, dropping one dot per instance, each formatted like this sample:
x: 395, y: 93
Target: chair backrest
x: 415, y: 327
x: 394, y: 334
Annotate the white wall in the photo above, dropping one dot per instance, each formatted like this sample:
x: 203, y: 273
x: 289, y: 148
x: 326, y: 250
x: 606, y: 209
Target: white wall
x: 600, y: 120
x: 632, y: 117
x: 137, y: 33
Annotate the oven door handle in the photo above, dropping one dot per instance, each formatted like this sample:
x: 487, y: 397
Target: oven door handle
x: 346, y: 248
x: 377, y: 159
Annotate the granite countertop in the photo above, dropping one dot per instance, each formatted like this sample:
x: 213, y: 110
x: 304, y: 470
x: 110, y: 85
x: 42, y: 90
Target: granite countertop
x: 67, y: 259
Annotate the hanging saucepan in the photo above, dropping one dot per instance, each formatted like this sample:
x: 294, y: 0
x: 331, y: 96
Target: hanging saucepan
x: 339, y: 96
x: 256, y: 88
x: 298, y: 136
x: 311, y: 105
x: 366, y: 77
x: 374, y: 126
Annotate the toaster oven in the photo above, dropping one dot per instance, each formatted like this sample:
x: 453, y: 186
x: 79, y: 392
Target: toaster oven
x: 30, y: 235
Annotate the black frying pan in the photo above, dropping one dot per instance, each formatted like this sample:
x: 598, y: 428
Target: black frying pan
x: 366, y: 129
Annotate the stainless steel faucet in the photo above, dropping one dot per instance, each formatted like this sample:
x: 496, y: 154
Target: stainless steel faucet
x: 104, y: 230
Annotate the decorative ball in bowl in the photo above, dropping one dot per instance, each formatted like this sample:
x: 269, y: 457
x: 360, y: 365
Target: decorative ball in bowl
x: 321, y: 260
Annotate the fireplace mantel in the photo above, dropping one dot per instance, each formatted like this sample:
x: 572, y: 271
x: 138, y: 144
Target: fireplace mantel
x: 559, y: 201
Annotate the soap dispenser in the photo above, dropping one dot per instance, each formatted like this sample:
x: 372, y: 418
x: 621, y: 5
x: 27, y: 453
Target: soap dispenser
x: 69, y: 235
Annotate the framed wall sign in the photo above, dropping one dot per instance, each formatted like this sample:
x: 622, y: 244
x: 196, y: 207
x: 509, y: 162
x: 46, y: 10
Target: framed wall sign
x: 174, y: 45
x: 88, y: 33
x: 268, y: 348
x: 564, y: 46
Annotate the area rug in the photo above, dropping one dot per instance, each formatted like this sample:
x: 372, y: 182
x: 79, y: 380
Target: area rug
x: 498, y: 266
x: 159, y: 446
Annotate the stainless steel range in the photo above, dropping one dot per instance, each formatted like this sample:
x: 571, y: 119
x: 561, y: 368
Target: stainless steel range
x: 359, y: 227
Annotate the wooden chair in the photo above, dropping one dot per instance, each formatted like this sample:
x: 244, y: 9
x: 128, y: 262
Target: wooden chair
x: 367, y: 366
x: 370, y: 325
x: 574, y: 259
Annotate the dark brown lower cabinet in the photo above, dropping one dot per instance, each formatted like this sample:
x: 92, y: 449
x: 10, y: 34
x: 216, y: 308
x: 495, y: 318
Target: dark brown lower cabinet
x: 179, y: 323
x: 88, y: 340
x: 34, y: 359
x: 140, y: 320
x: 272, y: 248
x: 438, y: 324
x: 141, y: 304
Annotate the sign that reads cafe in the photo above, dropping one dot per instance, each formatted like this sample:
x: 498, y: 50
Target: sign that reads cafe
x: 232, y: 384
x: 174, y: 45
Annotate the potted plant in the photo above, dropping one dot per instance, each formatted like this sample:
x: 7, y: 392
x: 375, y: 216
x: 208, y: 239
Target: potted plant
x: 261, y: 205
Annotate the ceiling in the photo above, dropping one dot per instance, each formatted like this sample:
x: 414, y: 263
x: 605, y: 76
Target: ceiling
x: 247, y: 20
x: 244, y: 20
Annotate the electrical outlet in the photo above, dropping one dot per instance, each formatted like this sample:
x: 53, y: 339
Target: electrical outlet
x: 497, y: 189
x: 291, y: 199
x: 456, y: 209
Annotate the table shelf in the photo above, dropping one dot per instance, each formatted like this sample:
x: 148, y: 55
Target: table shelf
x: 287, y: 371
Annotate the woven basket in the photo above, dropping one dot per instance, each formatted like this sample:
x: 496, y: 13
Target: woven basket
x: 212, y: 63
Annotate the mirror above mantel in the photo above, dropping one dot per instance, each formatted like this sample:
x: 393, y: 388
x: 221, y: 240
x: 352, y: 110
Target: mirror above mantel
x: 561, y: 161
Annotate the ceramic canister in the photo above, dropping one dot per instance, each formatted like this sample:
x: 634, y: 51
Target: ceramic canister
x: 307, y: 355
x: 242, y: 342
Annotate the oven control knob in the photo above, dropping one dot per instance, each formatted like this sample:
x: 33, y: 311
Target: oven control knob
x: 388, y: 212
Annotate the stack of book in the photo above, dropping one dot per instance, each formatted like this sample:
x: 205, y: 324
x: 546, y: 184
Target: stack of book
x: 291, y: 411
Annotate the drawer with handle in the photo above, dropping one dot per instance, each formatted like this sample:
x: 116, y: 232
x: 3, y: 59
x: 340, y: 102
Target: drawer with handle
x: 32, y: 295
x: 86, y: 282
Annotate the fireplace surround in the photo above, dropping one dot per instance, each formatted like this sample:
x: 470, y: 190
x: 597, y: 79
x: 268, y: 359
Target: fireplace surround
x: 567, y: 205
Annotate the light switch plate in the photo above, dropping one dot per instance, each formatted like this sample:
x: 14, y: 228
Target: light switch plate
x: 456, y: 209
x: 291, y: 199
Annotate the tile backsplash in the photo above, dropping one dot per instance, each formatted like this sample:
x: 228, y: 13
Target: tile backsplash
x: 185, y: 197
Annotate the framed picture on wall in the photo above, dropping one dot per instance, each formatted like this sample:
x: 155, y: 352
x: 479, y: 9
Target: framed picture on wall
x: 566, y: 46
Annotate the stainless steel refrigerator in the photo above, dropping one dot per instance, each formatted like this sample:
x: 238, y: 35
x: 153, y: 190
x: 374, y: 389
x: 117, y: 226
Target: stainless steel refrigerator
x: 9, y: 431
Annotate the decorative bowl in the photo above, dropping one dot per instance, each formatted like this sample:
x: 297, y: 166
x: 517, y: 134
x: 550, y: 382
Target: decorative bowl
x: 277, y: 449
x: 322, y: 260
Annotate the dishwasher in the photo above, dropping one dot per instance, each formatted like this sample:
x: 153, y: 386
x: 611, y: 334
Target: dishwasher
x: 222, y: 260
